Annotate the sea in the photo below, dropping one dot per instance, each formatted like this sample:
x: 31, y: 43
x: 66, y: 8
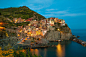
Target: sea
x: 64, y: 48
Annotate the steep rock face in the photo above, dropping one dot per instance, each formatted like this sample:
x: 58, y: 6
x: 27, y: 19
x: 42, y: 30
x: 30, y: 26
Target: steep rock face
x: 64, y: 34
x: 53, y: 35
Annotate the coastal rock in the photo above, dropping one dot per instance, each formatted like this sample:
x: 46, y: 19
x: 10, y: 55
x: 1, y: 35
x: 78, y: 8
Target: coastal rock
x: 53, y: 35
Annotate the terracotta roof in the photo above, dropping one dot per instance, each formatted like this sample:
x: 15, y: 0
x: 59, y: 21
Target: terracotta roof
x: 29, y: 19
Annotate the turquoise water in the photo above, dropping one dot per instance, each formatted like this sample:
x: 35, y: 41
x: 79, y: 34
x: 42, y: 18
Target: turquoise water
x: 65, y: 48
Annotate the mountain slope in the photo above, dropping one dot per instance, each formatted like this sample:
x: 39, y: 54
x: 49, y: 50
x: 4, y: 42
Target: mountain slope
x: 23, y: 12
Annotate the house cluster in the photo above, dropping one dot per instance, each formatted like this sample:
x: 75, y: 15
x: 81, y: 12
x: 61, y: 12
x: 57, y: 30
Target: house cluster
x: 18, y: 20
x: 38, y: 29
x: 49, y: 21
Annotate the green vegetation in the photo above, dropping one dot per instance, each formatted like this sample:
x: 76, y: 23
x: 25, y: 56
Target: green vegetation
x: 23, y: 12
x: 22, y: 24
x: 17, y: 53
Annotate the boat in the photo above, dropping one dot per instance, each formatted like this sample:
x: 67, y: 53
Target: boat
x: 59, y: 40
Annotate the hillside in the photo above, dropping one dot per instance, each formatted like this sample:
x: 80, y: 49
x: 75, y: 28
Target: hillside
x: 39, y: 29
x: 23, y: 12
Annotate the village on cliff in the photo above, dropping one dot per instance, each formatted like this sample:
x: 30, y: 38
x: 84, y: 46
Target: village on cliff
x: 39, y: 31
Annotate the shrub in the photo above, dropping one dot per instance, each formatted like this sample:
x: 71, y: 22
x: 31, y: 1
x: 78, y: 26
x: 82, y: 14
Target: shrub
x: 17, y: 53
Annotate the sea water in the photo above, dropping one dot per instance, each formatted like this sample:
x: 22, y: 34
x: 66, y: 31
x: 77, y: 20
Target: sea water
x: 64, y: 48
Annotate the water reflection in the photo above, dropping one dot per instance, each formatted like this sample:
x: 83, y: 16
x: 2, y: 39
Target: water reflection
x: 38, y: 51
x: 60, y: 50
x: 34, y: 51
x: 45, y: 52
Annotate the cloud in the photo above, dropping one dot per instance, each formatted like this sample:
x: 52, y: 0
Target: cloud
x: 50, y: 9
x: 35, y: 7
x: 39, y: 4
x: 58, y: 12
x: 49, y: 15
x: 62, y: 13
x: 74, y: 14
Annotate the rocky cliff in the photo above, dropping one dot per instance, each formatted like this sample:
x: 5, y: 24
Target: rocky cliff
x: 64, y: 33
x: 56, y: 35
x: 56, y: 28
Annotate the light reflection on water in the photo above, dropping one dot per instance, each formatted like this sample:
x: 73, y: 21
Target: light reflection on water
x: 34, y: 51
x: 45, y: 52
x: 60, y: 50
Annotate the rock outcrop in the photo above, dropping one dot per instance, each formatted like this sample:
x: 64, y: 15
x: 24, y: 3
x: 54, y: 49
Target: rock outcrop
x: 63, y: 34
x: 56, y: 35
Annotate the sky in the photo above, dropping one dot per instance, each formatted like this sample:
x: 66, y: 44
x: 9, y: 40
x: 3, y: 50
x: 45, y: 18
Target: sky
x: 72, y: 11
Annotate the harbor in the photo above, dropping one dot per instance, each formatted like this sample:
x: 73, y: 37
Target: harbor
x: 37, y: 44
